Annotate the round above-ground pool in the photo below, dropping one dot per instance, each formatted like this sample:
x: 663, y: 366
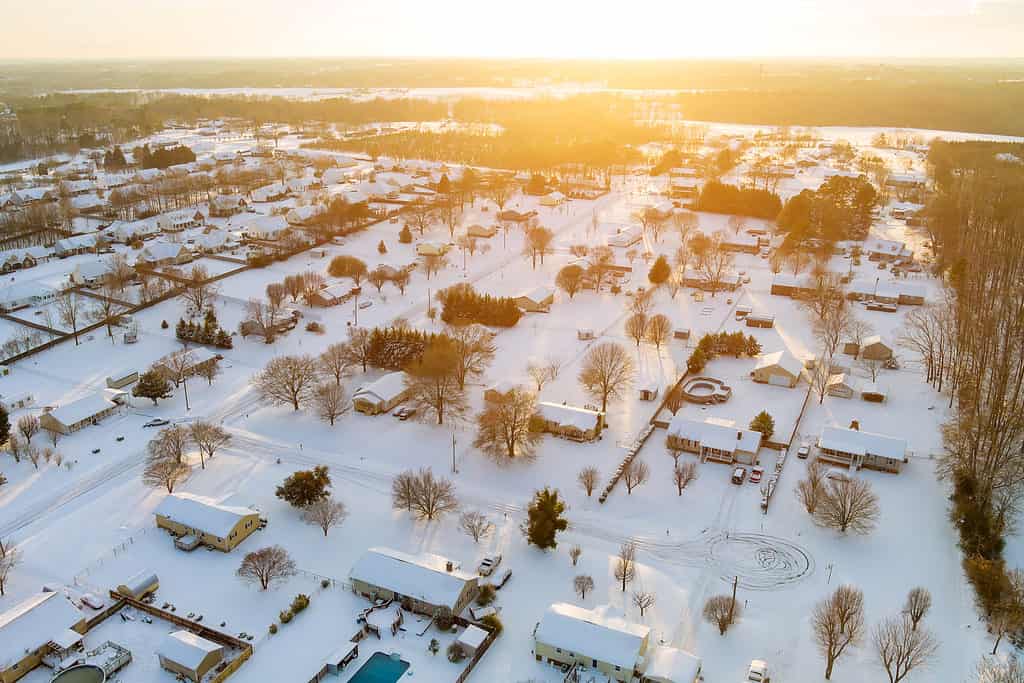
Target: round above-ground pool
x: 706, y: 390
x: 83, y: 673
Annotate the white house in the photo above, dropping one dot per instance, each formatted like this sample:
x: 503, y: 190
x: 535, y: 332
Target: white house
x: 671, y: 665
x: 89, y: 273
x: 25, y: 294
x: 73, y: 416
x: 854, y: 448
x: 269, y: 228
x: 572, y: 422
x: 177, y: 221
x: 568, y: 635
x: 713, y: 439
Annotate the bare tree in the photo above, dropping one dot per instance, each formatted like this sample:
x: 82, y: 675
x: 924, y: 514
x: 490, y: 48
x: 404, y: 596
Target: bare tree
x: 995, y: 670
x: 574, y: 554
x: 359, y: 347
x: 288, y: 380
x: 378, y: 277
x: 163, y: 471
x: 607, y: 372
x: 919, y: 601
x: 325, y: 513
x: 659, y: 329
x: 433, y: 384
x: 433, y: 263
x: 178, y: 367
x: 872, y: 367
x: 643, y: 600
x: 543, y: 372
x: 722, y: 611
x: 474, y: 348
x: 683, y: 474
x: 1007, y: 615
x: 715, y: 264
x: 70, y: 310
x: 636, y: 327
x: 476, y: 525
x: 675, y: 400
x: 642, y: 302
x: 812, y: 488
x: 505, y: 428
x: 583, y: 584
x: 10, y: 557
x: 838, y: 622
x: 858, y: 330
x: 901, y: 647
x: 401, y: 280
x: 427, y: 496
x: 276, y: 293
x: 199, y: 293
x: 267, y: 566
x: 106, y: 308
x: 570, y: 279
x: 209, y: 371
x: 28, y: 426
x: 848, y: 505
x: 208, y: 437
x: 171, y: 442
x: 588, y: 479
x: 625, y: 564
x: 635, y: 473
x: 331, y: 401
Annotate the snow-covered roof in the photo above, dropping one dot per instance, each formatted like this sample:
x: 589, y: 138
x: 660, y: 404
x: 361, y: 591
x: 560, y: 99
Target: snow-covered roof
x: 387, y: 388
x: 592, y: 633
x: 875, y: 339
x: 82, y: 409
x: 24, y: 290
x: 862, y: 443
x: 782, y: 359
x: 159, y: 251
x: 92, y: 269
x: 202, y: 513
x: 721, y: 436
x: 672, y: 664
x: 266, y: 225
x: 186, y: 648
x: 537, y: 295
x: 424, y: 576
x: 33, y: 622
x: 473, y: 636
x: 569, y: 416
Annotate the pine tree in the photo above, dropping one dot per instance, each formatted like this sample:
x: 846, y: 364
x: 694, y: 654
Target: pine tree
x: 152, y: 385
x: 405, y: 236
x: 544, y: 519
x: 382, y: 248
x: 305, y: 487
x: 660, y: 271
x: 764, y: 423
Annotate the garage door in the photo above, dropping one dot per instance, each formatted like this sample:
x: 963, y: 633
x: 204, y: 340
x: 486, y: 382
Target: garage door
x: 779, y: 380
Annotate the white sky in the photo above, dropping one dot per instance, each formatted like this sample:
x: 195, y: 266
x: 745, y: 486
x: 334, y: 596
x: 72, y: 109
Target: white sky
x: 520, y: 28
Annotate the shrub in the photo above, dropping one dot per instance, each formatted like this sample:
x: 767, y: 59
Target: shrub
x: 455, y: 653
x: 405, y: 236
x: 494, y: 622
x: 443, y: 618
x: 272, y: 629
x: 719, y: 197
x: 434, y: 646
x: 314, y: 326
x: 164, y: 325
x: 325, y: 583
x: 486, y: 595
x: 300, y: 603
x: 696, y: 362
x: 463, y: 305
x: 286, y: 616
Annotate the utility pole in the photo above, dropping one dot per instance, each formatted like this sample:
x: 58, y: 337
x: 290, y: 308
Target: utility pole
x: 454, y: 471
x: 732, y: 607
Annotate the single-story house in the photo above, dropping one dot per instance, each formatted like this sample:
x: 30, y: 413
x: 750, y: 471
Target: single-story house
x: 164, y: 254
x: 671, y: 665
x: 304, y: 215
x: 875, y: 348
x: 268, y: 228
x: 199, y: 358
x: 426, y: 581
x: 568, y: 635
x: 125, y: 232
x: 25, y: 294
x: 224, y: 205
x: 683, y: 188
x: 785, y: 284
x: 71, y: 417
x: 46, y: 623
x: 477, y: 230
x: 69, y: 246
x: 887, y: 250
x: 215, y: 241
x: 712, y: 439
x: 536, y: 300
x: 855, y: 449
x: 874, y: 392
x: 185, y: 654
x: 552, y: 199
x: 196, y: 520
x: 571, y: 422
x: 431, y: 248
x: 382, y: 395
x: 269, y: 193
x: 76, y: 188
x: 626, y: 237
x: 19, y: 259
x: 89, y: 273
x: 727, y: 282
x: 781, y: 369
x: 330, y: 296
x: 177, y: 221
x: 842, y: 385
x: 741, y: 242
x: 762, y: 320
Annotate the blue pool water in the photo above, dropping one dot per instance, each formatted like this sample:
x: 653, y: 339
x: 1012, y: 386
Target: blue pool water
x: 380, y: 668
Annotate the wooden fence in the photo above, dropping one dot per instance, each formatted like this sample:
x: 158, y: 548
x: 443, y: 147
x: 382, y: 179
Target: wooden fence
x: 492, y: 635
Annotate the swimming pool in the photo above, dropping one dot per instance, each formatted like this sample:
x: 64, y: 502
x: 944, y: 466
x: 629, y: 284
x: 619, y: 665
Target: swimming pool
x: 380, y: 668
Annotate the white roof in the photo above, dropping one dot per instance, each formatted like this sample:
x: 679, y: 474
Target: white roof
x: 724, y: 437
x: 569, y: 416
x: 202, y: 513
x: 266, y: 224
x: 33, y: 622
x: 387, y: 388
x: 473, y: 636
x: 92, y: 269
x: 862, y: 443
x: 24, y: 290
x: 672, y: 664
x: 782, y: 359
x: 423, y: 577
x: 538, y: 294
x: 186, y: 648
x: 158, y: 251
x: 592, y: 633
x: 874, y: 339
x: 82, y: 409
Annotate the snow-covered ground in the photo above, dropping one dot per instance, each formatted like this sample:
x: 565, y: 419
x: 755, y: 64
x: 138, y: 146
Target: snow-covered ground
x: 91, y: 525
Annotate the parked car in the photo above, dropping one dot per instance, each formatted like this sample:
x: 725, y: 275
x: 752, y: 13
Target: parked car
x: 488, y: 565
x: 403, y: 413
x: 93, y: 601
x: 837, y: 474
x: 803, y: 452
x: 756, y: 474
x: 758, y: 671
x: 95, y: 451
x: 157, y: 422
x: 739, y: 475
x: 365, y: 304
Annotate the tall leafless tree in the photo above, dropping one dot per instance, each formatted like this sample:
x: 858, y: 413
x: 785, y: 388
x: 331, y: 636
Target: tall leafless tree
x: 288, y: 380
x: 635, y: 473
x: 848, y: 505
x: 325, y: 513
x: 267, y: 566
x: 588, y: 479
x: 902, y: 648
x: 837, y: 622
x: 625, y: 564
x: 607, y: 372
x: 476, y: 525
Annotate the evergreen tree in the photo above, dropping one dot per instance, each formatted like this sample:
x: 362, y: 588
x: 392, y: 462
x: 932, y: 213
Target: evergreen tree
x: 5, y: 425
x: 660, y: 271
x: 764, y: 423
x: 152, y: 385
x: 382, y: 248
x: 544, y: 519
x: 405, y: 236
x: 444, y: 186
x: 305, y: 487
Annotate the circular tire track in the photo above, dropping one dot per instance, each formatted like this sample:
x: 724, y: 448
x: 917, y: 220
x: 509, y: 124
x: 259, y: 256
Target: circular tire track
x: 760, y: 561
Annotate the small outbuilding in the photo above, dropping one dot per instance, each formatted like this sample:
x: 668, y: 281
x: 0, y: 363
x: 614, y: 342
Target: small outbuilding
x: 140, y: 585
x: 382, y: 395
x: 470, y: 640
x: 875, y: 348
x: 781, y: 369
x: 536, y: 300
x: 186, y: 654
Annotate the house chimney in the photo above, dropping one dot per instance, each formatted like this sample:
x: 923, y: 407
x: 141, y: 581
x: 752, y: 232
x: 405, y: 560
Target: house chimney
x: 739, y: 435
x: 448, y: 566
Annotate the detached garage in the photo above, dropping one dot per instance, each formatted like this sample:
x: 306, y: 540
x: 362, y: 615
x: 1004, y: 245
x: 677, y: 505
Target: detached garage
x: 781, y: 369
x: 186, y: 654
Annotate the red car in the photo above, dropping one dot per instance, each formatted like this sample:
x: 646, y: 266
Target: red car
x: 756, y: 474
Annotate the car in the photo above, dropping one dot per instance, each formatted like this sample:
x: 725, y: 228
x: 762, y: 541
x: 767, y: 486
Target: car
x: 739, y: 475
x: 406, y: 414
x: 95, y: 451
x: 120, y: 438
x: 157, y: 422
x: 93, y: 601
x: 758, y: 671
x: 803, y: 452
x: 756, y: 474
x: 836, y: 474
x: 365, y: 304
x: 488, y: 565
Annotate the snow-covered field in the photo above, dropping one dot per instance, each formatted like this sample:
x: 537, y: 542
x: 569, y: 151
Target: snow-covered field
x: 91, y: 525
